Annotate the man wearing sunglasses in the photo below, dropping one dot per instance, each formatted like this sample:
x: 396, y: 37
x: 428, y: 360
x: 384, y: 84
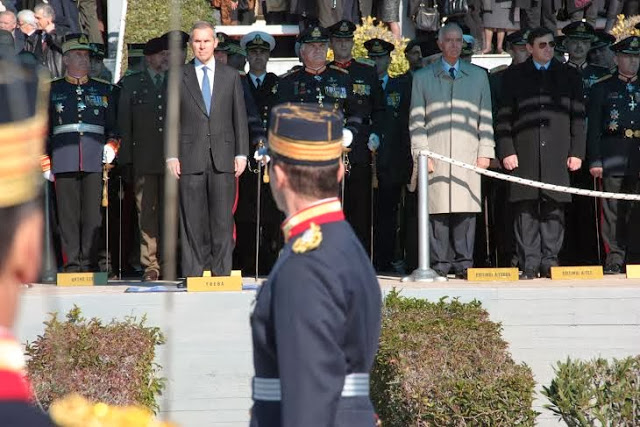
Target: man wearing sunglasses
x: 541, y: 136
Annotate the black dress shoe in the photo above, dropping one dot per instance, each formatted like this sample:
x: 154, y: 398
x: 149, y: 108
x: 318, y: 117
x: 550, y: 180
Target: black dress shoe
x: 462, y: 275
x: 546, y: 273
x: 440, y: 272
x: 613, y: 269
x: 182, y: 284
x: 529, y: 275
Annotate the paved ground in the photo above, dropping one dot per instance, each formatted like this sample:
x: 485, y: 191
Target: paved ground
x: 209, y: 362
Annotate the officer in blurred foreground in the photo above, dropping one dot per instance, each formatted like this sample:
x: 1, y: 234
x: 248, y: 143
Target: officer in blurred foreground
x: 316, y: 320
x: 22, y: 128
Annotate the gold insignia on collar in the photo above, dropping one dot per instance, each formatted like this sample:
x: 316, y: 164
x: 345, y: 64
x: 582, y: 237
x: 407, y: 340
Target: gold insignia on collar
x: 309, y: 240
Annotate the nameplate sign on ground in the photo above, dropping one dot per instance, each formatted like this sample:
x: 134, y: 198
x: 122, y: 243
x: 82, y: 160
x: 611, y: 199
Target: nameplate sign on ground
x: 633, y: 271
x: 214, y: 284
x: 492, y: 274
x: 81, y: 279
x: 577, y: 273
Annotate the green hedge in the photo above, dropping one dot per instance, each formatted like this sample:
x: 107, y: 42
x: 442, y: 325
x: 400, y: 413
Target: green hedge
x: 445, y: 364
x: 596, y: 392
x: 111, y: 363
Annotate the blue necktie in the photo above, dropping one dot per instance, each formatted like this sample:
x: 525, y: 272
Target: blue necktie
x: 452, y: 72
x: 206, y: 90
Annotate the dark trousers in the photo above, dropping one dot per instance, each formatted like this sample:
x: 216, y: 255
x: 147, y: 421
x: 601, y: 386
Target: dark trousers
x: 616, y: 216
x: 148, y: 189
x: 206, y: 222
x: 451, y: 239
x: 78, y: 196
x: 581, y: 242
x: 540, y: 14
x: 357, y: 202
x: 539, y: 232
x: 387, y: 224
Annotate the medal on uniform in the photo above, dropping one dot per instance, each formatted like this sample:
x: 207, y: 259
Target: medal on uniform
x: 59, y: 107
x: 614, y: 114
x: 629, y: 87
x: 318, y: 77
x: 79, y: 90
x: 96, y: 112
x: 319, y: 97
x: 393, y: 99
x: 613, y: 125
x: 82, y: 106
x: 632, y: 104
x: 303, y: 88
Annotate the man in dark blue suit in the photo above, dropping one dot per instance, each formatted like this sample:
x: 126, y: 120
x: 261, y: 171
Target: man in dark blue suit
x: 316, y: 321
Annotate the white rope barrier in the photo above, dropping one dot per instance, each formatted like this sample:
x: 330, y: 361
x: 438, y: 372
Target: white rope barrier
x: 532, y: 183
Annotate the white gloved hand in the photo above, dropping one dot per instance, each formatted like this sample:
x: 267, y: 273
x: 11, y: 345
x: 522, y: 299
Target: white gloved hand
x: 108, y: 154
x: 374, y: 142
x: 48, y: 175
x: 347, y: 138
x: 261, y: 156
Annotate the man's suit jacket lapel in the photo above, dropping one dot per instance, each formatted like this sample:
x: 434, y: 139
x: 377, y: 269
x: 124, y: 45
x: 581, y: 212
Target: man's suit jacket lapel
x: 191, y: 81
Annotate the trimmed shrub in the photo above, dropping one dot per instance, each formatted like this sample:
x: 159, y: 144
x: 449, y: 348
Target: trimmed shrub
x: 596, y: 393
x: 111, y: 363
x: 445, y: 364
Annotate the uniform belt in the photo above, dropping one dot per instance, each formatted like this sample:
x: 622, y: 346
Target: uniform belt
x: 78, y: 127
x: 268, y: 389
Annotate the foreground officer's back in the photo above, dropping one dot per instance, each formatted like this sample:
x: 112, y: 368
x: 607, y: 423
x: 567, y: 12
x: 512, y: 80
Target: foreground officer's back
x: 316, y: 320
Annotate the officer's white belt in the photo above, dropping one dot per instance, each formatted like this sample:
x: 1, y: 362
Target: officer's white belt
x: 268, y: 389
x: 78, y: 127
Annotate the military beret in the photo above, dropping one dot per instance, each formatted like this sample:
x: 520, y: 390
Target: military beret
x: 155, y: 45
x: 258, y: 40
x: 629, y: 45
x: 98, y: 50
x: 134, y: 50
x: 579, y: 30
x: 518, y: 38
x: 305, y: 134
x: 314, y: 34
x: 183, y: 38
x: 22, y: 132
x: 235, y: 48
x: 342, y: 29
x: 223, y: 42
x: 468, y: 43
x: 75, y: 41
x: 603, y: 39
x: 378, y: 47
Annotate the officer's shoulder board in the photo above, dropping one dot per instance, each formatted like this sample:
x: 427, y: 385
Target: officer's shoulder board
x: 342, y: 70
x: 101, y: 81
x: 498, y: 68
x: 366, y: 61
x: 603, y: 78
x: 309, y: 240
x: 290, y: 72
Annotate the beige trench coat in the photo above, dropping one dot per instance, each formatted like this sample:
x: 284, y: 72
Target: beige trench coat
x: 452, y: 118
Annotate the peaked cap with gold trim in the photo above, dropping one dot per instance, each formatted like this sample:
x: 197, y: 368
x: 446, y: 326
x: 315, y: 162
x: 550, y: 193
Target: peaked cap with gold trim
x: 314, y: 34
x: 342, y: 29
x: 23, y: 128
x: 629, y: 45
x: 378, y: 47
x: 76, y: 41
x: 305, y: 134
x: 580, y: 30
x: 258, y: 40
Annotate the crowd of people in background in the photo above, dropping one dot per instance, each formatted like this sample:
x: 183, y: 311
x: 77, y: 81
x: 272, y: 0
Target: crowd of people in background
x: 527, y: 119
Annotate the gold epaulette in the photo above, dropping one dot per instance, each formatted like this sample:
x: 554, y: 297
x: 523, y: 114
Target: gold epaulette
x: 603, y: 78
x: 366, y: 61
x: 309, y: 240
x: 335, y: 67
x: 498, y: 68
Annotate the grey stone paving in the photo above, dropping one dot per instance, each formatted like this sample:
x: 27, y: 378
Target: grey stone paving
x: 210, y: 366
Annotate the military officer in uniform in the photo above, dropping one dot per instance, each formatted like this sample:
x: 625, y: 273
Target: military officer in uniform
x: 82, y: 137
x: 135, y: 57
x: 141, y: 120
x: 263, y: 87
x: 367, y: 100
x: 23, y: 124
x: 329, y: 86
x: 613, y: 144
x: 316, y: 320
x: 394, y: 154
x: 581, y: 243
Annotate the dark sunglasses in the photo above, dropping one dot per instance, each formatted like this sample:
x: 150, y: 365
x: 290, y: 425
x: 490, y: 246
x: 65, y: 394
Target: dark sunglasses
x: 542, y: 45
